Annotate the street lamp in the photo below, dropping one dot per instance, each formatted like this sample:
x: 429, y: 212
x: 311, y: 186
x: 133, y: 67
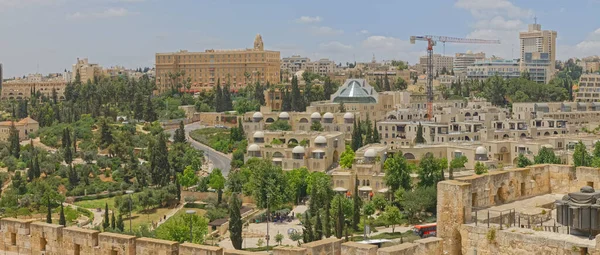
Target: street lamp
x: 191, y: 213
x: 130, y: 199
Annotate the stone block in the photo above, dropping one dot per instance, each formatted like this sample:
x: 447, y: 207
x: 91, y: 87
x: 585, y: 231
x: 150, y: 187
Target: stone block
x: 289, y: 251
x: 79, y: 241
x: 113, y: 242
x: 196, y: 249
x: 151, y: 246
x: 352, y: 248
x: 329, y: 246
x: 46, y: 238
x: 401, y: 249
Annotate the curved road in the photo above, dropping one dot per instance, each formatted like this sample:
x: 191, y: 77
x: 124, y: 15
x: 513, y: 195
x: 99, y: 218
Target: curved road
x: 218, y: 159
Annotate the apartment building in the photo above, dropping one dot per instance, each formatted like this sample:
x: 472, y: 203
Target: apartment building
x: 483, y: 69
x: 574, y: 113
x: 86, y: 70
x: 293, y: 64
x: 440, y: 63
x: 317, y: 151
x: 322, y: 66
x: 589, y: 88
x: 538, y: 53
x: 463, y: 60
x: 204, y: 69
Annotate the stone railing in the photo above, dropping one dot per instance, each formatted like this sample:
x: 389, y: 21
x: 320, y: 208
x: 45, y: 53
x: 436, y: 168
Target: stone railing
x: 19, y: 236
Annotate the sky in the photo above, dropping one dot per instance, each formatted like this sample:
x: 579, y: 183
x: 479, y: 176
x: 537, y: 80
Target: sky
x: 49, y: 35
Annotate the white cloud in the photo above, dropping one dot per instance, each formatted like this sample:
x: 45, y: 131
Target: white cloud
x: 309, y: 19
x: 386, y: 47
x: 108, y: 13
x: 363, y: 32
x: 499, y: 23
x: 9, y: 4
x: 335, y: 47
x: 485, y: 8
x: 588, y: 47
x: 325, y: 31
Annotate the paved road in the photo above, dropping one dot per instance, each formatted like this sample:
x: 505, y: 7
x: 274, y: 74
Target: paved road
x: 218, y: 159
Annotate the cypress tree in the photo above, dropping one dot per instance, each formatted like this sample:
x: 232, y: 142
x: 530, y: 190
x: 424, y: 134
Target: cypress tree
x: 61, y: 220
x: 286, y: 105
x: 120, y: 224
x: 357, y: 204
x: 49, y: 215
x: 386, y: 82
x: 259, y: 94
x: 297, y: 101
x: 339, y: 226
x: 235, y: 222
x: 75, y: 141
x: 307, y: 230
x: 179, y: 135
x: 227, y: 102
x: 218, y: 97
x: 318, y: 228
x: 376, y: 138
x: 106, y: 221
x: 328, y: 88
x: 327, y: 220
x: 150, y: 115
x: 420, y: 139
x: 369, y: 132
x: 113, y: 221
x: 15, y: 146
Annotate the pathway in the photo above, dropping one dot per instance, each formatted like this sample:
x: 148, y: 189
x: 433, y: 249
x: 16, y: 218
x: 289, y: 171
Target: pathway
x: 98, y: 215
x: 170, y: 214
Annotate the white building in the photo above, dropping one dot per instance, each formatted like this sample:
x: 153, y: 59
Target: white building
x: 439, y: 63
x: 481, y: 70
x: 463, y: 60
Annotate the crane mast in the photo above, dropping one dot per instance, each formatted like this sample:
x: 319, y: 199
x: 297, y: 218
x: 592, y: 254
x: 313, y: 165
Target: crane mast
x: 431, y: 41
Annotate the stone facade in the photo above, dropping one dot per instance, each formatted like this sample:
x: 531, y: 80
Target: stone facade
x: 458, y: 198
x: 18, y: 236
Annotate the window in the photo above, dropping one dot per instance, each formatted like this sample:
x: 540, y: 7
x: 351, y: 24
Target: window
x: 13, y: 238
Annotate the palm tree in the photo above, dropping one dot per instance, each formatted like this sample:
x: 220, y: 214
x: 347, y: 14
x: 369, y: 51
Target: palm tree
x: 247, y: 76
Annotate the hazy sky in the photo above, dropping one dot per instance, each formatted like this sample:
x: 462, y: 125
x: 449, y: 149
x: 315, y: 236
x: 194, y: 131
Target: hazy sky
x: 51, y: 34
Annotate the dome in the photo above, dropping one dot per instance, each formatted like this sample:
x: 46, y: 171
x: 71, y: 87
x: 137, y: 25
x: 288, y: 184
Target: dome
x: 370, y: 153
x: 298, y: 150
x: 253, y: 147
x: 481, y: 150
x: 315, y: 115
x: 328, y: 115
x: 469, y: 52
x: 259, y: 134
x: 320, y: 140
x: 257, y: 115
x: 284, y: 115
x: 348, y: 115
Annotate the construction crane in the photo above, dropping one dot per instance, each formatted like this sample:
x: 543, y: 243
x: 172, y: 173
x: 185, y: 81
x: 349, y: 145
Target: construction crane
x: 432, y: 41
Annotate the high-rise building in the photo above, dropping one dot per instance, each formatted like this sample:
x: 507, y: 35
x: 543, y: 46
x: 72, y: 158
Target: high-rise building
x: 538, y: 52
x: 1, y: 77
x: 463, y: 60
x: 440, y: 63
x: 203, y: 69
x: 483, y: 69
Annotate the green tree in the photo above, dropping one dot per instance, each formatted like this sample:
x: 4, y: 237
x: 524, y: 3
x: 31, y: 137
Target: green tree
x: 120, y: 224
x: 219, y: 97
x: 546, y: 156
x: 279, y: 238
x: 297, y: 99
x: 113, y: 221
x: 179, y: 135
x: 523, y: 161
x: 49, y: 214
x: 160, y: 170
x: 581, y: 157
x: 61, y: 220
x: 188, y: 178
x: 177, y: 228
x: 318, y: 227
x: 400, y: 84
x: 150, y: 112
x: 316, y: 126
x: 266, y: 182
x: 420, y: 139
x: 431, y: 171
x: 417, y: 201
x: 376, y: 138
x: 597, y: 150
x: 397, y: 173
x: 494, y: 90
x: 392, y: 216
x: 235, y: 221
x: 342, y: 209
x: 379, y: 202
x: 307, y: 229
x: 386, y: 82
x: 357, y: 139
x: 259, y: 93
x: 217, y: 182
x: 106, y: 221
x: 480, y: 168
x: 15, y: 146
x: 297, y: 183
x: 347, y: 158
x: 227, y: 101
x: 457, y: 163
x: 280, y: 125
x: 237, y: 159
x: 286, y: 105
x: 328, y: 88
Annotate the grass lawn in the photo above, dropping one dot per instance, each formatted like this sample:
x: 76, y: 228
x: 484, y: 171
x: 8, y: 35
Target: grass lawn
x: 138, y: 218
x: 97, y: 203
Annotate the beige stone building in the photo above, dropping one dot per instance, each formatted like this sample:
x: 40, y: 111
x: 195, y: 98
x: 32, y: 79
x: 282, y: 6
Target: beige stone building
x: 574, y: 113
x: 589, y: 88
x: 463, y: 60
x: 204, y: 69
x: 538, y: 53
x: 86, y: 70
x: 440, y: 63
x: 22, y: 88
x: 25, y: 127
x: 317, y: 151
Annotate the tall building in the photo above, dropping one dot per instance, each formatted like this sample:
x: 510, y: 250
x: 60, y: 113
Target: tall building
x: 463, y: 60
x: 86, y: 70
x: 589, y: 88
x: 481, y: 70
x: 322, y: 66
x: 440, y: 63
x: 204, y: 69
x: 538, y: 52
x: 1, y: 77
x: 294, y: 64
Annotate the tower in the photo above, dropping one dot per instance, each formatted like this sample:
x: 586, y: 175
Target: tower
x: 258, y: 43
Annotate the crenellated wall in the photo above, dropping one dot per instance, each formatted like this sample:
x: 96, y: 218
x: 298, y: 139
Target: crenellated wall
x: 23, y: 237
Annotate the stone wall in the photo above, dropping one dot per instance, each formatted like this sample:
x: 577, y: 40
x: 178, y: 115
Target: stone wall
x: 19, y: 236
x: 457, y: 198
x: 427, y: 246
x: 479, y: 240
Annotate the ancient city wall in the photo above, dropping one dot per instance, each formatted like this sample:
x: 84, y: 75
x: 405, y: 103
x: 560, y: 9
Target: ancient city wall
x: 21, y: 237
x: 481, y: 241
x: 458, y: 198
